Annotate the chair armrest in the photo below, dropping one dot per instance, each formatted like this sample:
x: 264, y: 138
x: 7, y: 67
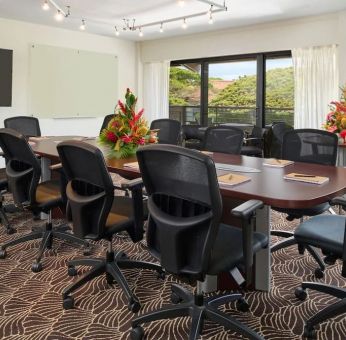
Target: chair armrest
x: 57, y: 166
x: 247, y: 209
x: 132, y: 184
x: 340, y: 200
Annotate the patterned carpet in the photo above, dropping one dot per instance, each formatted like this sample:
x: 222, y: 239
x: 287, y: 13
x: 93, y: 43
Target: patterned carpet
x: 31, y: 304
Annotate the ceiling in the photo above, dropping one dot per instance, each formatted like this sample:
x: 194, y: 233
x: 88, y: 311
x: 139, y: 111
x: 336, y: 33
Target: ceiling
x: 102, y: 15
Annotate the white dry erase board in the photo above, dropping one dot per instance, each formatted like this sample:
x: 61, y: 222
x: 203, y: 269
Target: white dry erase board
x: 67, y: 82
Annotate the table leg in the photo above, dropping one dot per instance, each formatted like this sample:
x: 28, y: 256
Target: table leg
x: 262, y: 267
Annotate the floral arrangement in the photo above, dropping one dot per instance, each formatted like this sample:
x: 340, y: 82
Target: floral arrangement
x: 127, y: 130
x: 336, y: 118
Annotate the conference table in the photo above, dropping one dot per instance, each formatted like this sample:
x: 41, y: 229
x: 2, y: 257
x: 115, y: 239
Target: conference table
x: 266, y: 184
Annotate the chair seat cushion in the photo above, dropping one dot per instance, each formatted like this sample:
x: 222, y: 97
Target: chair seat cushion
x: 48, y: 194
x: 228, y: 248
x: 298, y: 213
x: 325, y: 232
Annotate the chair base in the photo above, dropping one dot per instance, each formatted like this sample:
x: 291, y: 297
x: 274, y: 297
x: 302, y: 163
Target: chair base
x: 199, y: 309
x: 330, y: 311
x: 47, y: 233
x: 110, y: 266
x: 289, y: 241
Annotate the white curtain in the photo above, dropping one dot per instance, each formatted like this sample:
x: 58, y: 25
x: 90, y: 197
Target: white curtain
x: 156, y: 90
x: 316, y: 84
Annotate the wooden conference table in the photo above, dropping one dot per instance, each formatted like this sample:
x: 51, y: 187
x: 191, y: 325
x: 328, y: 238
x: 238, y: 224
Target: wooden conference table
x: 267, y: 185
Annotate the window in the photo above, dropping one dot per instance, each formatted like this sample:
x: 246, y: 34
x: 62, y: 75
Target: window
x: 255, y: 89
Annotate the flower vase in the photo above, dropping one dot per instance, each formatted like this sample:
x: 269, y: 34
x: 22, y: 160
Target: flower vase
x: 122, y: 153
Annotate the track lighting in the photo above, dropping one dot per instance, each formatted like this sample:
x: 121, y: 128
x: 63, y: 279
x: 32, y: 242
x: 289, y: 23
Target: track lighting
x: 59, y: 16
x: 161, y: 28
x: 140, y: 32
x: 45, y: 5
x: 117, y: 33
x: 82, y: 26
x: 211, y: 20
x: 184, y: 25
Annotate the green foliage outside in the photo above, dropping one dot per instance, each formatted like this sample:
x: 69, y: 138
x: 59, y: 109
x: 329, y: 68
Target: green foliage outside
x: 185, y: 88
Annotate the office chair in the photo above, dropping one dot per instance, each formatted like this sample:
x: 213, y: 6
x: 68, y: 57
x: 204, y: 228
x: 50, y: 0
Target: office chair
x: 105, y: 122
x: 273, y: 139
x: 169, y: 130
x: 184, y: 233
x: 226, y: 139
x: 97, y: 214
x: 308, y: 146
x: 26, y: 125
x: 328, y: 233
x: 23, y: 172
x: 3, y: 217
x: 190, y: 137
x: 253, y: 143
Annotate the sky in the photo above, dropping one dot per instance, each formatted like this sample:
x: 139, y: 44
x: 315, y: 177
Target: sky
x: 233, y: 70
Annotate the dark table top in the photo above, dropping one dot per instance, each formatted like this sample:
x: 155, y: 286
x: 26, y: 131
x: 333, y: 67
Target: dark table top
x: 267, y: 185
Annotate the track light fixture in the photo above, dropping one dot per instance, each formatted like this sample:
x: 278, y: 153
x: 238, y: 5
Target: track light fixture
x: 82, y: 26
x: 129, y: 24
x: 45, y: 5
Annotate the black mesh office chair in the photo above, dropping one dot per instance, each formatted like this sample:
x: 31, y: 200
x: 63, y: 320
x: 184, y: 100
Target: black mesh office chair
x: 97, y: 214
x: 3, y: 218
x: 185, y: 234
x: 226, y: 139
x: 169, y: 130
x: 328, y: 233
x: 190, y: 136
x: 23, y: 172
x: 273, y: 139
x: 253, y: 143
x: 106, y: 120
x: 309, y: 146
x: 26, y: 125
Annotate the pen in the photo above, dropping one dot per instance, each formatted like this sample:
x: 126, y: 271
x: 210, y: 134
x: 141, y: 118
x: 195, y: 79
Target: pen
x: 304, y: 175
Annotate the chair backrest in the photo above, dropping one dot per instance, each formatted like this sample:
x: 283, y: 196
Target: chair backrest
x: 105, y: 122
x: 89, y: 188
x: 274, y: 138
x: 169, y: 130
x: 190, y: 131
x: 226, y: 139
x: 22, y: 168
x: 184, y: 205
x: 310, y: 146
x: 26, y: 125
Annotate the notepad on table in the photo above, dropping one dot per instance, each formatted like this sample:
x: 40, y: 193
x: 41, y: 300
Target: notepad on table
x: 277, y: 163
x: 307, y: 178
x: 132, y: 165
x: 37, y: 138
x: 232, y: 179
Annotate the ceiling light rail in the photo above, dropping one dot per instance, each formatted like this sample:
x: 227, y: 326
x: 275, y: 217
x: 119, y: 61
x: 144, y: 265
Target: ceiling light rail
x: 129, y: 24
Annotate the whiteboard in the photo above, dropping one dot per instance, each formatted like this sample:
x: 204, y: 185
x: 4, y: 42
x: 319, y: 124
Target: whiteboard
x: 71, y: 83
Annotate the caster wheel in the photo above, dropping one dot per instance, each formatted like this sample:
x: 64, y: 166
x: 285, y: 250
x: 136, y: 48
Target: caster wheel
x: 175, y: 298
x: 300, y: 293
x: 10, y: 231
x: 36, y: 267
x: 161, y: 275
x: 319, y: 273
x: 2, y: 253
x: 71, y: 271
x: 309, y: 333
x: 137, y: 333
x: 109, y: 278
x: 87, y: 251
x: 68, y: 302
x: 242, y: 305
x: 301, y: 249
x: 134, y: 306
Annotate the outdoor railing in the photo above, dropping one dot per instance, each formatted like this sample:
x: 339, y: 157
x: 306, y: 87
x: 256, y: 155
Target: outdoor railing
x: 229, y: 114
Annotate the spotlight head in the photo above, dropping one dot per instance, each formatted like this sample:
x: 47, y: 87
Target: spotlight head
x: 45, y: 5
x: 184, y: 25
x: 82, y: 26
x: 59, y: 16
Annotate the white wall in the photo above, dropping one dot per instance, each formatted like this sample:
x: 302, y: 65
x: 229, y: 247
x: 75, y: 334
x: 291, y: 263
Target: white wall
x: 18, y: 36
x: 275, y: 36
